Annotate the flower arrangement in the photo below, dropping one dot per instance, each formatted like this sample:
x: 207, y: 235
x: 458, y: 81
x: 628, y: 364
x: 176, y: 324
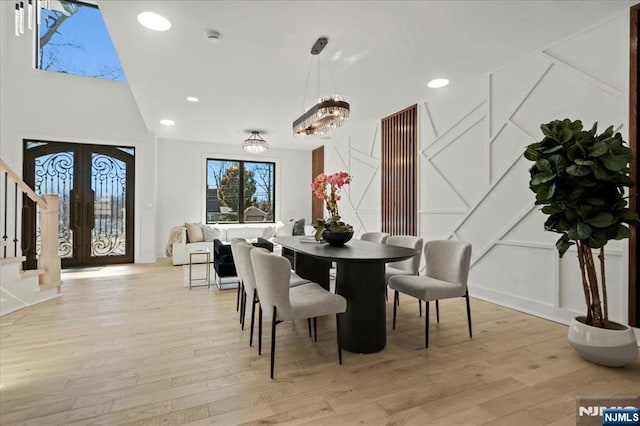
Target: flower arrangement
x: 327, y: 188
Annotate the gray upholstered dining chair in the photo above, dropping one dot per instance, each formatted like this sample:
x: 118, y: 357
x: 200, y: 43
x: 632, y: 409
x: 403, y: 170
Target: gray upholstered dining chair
x: 241, y: 253
x: 285, y: 303
x: 446, y: 276
x: 375, y: 237
x: 409, y: 266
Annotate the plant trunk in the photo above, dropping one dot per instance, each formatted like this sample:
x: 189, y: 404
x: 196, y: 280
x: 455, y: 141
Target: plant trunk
x: 605, y: 302
x: 585, y: 284
x: 588, y: 267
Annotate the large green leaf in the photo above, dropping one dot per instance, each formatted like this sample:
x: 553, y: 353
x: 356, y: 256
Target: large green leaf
x: 551, y: 210
x: 600, y: 148
x: 607, y: 133
x: 546, y: 130
x: 583, y: 231
x: 543, y: 165
x: 622, y: 232
x: 566, y: 135
x: 576, y: 170
x: 531, y: 153
x: 614, y: 163
x: 563, y: 245
x: 602, y: 220
x: 581, y: 162
x: 539, y: 178
x: 628, y: 215
x: 552, y: 149
x: 598, y: 239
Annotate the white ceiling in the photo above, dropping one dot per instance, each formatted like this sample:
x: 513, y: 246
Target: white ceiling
x: 381, y: 54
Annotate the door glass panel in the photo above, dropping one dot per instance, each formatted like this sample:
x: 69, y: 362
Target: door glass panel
x: 108, y: 183
x: 54, y: 175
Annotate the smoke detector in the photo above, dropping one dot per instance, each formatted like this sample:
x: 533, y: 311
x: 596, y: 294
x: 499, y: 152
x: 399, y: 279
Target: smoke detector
x: 213, y: 35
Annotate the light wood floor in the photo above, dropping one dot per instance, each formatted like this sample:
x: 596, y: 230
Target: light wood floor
x: 130, y: 345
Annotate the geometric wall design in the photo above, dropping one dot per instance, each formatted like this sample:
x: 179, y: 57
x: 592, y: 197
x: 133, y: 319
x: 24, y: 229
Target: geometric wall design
x: 476, y: 180
x: 473, y: 180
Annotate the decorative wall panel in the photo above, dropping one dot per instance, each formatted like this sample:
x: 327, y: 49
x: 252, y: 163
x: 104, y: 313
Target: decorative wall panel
x: 515, y: 262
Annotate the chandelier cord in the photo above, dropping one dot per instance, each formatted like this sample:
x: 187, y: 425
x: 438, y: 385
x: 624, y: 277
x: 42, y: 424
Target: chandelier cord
x: 306, y: 85
x: 333, y: 82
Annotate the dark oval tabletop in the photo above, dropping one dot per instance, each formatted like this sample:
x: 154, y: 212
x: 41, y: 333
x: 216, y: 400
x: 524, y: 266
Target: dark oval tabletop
x: 353, y: 251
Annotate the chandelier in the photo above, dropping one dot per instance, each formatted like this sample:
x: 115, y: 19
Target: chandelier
x: 328, y: 113
x: 30, y: 14
x: 254, y: 143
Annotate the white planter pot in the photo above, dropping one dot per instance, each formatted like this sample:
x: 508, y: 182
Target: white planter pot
x: 610, y: 347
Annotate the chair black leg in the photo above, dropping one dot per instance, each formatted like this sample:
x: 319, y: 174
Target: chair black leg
x: 273, y: 339
x: 420, y: 306
x: 466, y: 296
x: 259, y: 329
x: 253, y: 312
x: 243, y: 307
x: 238, y: 296
x: 338, y: 338
x: 426, y: 323
x: 437, y: 311
x: 315, y: 329
x: 395, y: 306
x: 309, y: 328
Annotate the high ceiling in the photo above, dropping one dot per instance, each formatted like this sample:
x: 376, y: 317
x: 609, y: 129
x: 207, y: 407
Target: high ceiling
x: 381, y: 55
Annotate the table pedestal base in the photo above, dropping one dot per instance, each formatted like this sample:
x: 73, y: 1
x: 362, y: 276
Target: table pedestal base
x: 363, y: 327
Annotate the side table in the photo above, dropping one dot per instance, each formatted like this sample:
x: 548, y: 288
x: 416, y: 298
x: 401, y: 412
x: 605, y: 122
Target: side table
x: 207, y: 262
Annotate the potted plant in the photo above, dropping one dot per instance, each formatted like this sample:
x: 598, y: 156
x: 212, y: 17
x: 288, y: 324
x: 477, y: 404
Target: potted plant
x: 579, y: 178
x: 327, y: 188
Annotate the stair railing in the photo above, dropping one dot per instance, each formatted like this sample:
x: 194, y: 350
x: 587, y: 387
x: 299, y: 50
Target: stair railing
x: 48, y: 260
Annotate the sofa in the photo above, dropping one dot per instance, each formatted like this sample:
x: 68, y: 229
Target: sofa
x: 192, y: 237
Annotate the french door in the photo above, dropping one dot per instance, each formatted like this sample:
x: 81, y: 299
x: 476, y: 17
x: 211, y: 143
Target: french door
x: 95, y: 185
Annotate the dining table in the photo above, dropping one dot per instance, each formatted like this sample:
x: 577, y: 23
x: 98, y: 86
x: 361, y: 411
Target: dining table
x: 360, y: 279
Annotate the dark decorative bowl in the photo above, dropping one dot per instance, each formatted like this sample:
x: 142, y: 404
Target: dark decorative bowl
x: 337, y: 239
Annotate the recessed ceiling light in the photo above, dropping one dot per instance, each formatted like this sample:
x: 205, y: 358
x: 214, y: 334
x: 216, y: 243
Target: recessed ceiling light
x: 166, y: 122
x: 437, y: 83
x: 192, y: 99
x: 153, y: 21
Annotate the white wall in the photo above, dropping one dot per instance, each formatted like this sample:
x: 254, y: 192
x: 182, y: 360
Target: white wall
x: 181, y: 182
x: 473, y: 180
x: 37, y: 104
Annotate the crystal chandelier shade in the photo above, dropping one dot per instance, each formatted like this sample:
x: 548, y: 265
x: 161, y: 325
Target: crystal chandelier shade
x: 328, y: 114
x: 255, y: 144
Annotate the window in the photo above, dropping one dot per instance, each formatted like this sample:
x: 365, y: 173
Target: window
x: 227, y: 179
x: 73, y: 39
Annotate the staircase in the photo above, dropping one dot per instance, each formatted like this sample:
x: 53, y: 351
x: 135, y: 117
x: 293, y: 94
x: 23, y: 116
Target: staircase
x: 19, y: 288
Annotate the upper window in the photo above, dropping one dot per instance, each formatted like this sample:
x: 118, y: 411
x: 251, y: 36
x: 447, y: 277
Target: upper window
x: 227, y: 179
x: 73, y: 39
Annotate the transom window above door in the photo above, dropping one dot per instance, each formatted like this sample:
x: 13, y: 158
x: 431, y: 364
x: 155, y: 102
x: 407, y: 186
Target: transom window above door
x: 73, y: 39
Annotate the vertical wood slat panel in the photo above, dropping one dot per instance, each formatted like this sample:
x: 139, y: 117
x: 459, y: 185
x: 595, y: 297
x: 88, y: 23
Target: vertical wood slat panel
x: 634, y: 105
x: 399, y: 172
x: 317, y: 167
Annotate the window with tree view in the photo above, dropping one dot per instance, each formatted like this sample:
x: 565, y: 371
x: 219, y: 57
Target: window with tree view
x: 73, y: 39
x: 240, y: 191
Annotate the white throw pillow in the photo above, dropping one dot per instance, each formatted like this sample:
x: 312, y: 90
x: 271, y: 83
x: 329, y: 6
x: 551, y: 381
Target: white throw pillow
x: 194, y: 232
x: 210, y: 233
x: 269, y: 232
x: 286, y: 230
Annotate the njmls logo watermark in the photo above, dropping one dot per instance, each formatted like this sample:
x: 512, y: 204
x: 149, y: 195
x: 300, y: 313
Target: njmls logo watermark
x: 607, y: 410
